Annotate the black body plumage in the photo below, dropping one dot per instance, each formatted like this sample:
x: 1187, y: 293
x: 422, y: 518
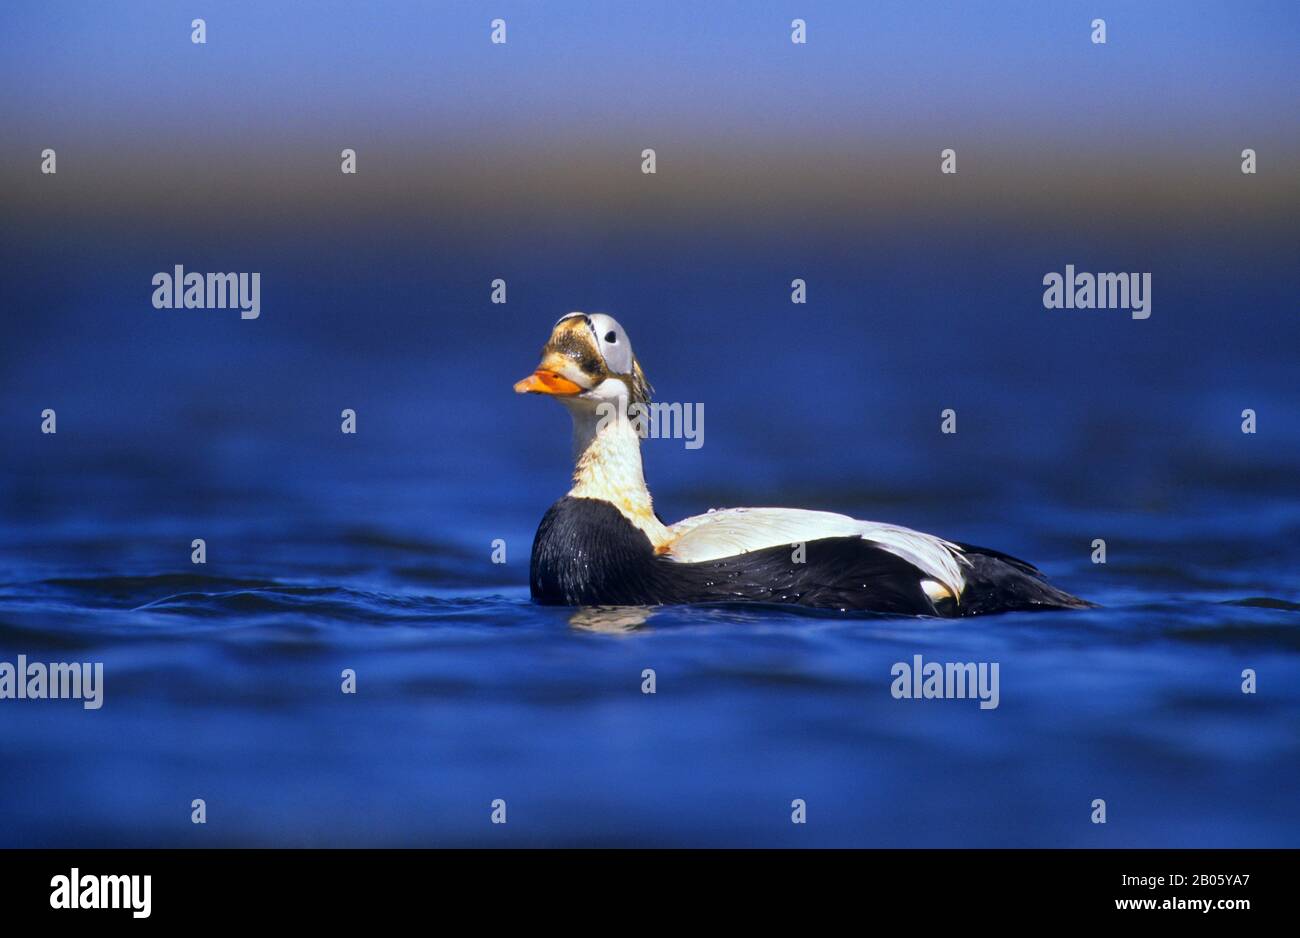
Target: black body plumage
x: 587, y: 553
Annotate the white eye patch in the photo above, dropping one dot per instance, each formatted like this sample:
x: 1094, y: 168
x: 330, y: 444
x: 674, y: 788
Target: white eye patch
x: 612, y: 342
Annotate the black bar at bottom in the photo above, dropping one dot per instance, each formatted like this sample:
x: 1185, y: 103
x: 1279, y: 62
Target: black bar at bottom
x: 334, y: 887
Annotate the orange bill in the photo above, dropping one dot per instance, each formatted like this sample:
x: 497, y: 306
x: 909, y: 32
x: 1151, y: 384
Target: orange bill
x: 543, y: 381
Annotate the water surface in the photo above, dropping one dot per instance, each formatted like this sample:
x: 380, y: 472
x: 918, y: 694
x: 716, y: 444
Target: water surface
x: 373, y: 552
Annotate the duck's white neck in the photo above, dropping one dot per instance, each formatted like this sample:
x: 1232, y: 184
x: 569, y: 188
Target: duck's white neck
x: 607, y: 454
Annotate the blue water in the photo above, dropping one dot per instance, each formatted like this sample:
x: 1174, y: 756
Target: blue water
x: 373, y: 552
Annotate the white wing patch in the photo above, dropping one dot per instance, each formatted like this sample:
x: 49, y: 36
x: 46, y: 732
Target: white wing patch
x: 733, y: 531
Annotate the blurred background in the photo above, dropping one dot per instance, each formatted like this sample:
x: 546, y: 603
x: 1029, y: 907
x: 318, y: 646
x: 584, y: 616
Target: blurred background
x: 522, y: 161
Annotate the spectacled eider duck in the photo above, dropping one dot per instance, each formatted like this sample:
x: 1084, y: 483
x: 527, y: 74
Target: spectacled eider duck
x: 603, y: 544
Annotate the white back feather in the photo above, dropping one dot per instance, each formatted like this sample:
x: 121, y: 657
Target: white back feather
x: 733, y: 531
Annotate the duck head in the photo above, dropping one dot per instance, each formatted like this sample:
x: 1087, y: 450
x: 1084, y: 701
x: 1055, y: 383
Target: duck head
x: 588, y: 361
x: 588, y: 366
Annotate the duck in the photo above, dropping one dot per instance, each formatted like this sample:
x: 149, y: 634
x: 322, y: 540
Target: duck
x: 603, y: 543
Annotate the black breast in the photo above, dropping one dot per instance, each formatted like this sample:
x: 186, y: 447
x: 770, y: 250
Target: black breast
x: 587, y: 553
